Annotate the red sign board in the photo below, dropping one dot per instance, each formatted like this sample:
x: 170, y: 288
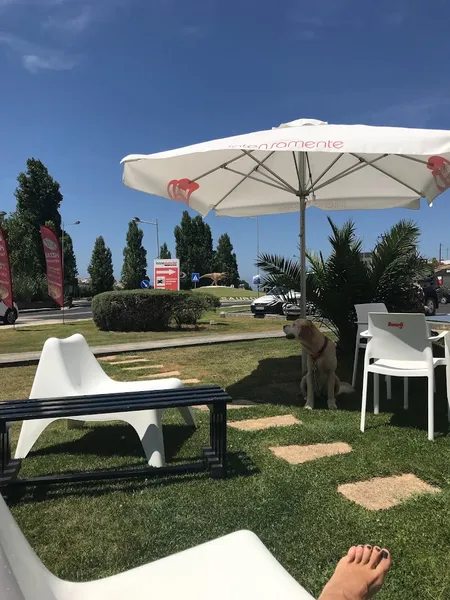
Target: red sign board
x: 53, y: 260
x: 166, y: 272
x: 6, y: 291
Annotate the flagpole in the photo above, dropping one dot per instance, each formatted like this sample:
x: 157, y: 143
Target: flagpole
x: 62, y: 270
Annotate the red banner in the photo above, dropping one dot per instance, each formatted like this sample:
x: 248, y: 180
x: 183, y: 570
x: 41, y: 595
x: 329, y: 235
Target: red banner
x: 6, y: 291
x: 53, y: 259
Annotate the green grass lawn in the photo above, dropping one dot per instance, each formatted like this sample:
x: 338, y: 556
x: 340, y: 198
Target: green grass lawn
x: 101, y: 529
x: 227, y: 292
x: 31, y: 338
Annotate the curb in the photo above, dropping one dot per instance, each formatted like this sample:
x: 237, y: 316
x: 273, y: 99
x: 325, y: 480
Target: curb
x: 24, y: 359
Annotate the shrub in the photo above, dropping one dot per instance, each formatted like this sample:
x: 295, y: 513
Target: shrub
x: 190, y: 306
x: 149, y: 310
x: 134, y: 310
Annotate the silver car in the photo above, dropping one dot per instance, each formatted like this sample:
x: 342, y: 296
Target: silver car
x: 8, y: 316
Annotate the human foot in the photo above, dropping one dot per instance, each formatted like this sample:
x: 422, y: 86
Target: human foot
x: 359, y: 575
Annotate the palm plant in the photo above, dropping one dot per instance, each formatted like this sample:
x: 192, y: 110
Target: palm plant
x: 335, y: 284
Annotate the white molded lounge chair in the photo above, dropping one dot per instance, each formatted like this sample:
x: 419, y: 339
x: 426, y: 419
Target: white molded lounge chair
x: 234, y: 567
x: 69, y: 368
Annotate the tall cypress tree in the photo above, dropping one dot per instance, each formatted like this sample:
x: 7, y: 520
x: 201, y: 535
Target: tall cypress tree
x: 164, y: 251
x: 225, y: 260
x: 134, y: 268
x: 194, y: 246
x: 101, y: 268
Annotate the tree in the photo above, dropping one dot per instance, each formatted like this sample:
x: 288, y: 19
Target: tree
x: 334, y: 285
x: 134, y: 268
x: 225, y: 261
x: 245, y: 284
x: 38, y: 200
x: 194, y: 247
x: 101, y: 268
x: 164, y: 251
x: 70, y: 262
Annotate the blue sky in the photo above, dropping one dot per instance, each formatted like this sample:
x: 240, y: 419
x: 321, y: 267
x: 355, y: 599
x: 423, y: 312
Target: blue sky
x: 86, y: 82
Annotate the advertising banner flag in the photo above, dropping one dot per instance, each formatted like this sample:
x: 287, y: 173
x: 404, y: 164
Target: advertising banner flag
x: 6, y: 291
x: 53, y: 260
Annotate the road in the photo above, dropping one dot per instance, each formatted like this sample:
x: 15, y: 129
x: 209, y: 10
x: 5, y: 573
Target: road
x: 72, y: 314
x: 83, y: 311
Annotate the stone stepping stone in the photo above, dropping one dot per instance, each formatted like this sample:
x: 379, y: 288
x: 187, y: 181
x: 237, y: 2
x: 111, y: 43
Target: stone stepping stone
x: 160, y: 375
x: 229, y: 406
x: 265, y: 423
x: 381, y: 493
x: 297, y: 455
x: 129, y: 361
x: 190, y: 380
x: 115, y: 357
x: 141, y: 367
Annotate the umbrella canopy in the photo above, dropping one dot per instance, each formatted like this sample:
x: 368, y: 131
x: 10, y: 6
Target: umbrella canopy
x: 298, y: 165
x: 336, y: 167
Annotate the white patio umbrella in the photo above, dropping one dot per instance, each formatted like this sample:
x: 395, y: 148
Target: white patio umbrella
x: 298, y: 165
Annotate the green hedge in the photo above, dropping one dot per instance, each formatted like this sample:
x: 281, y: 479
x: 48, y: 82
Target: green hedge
x: 149, y: 310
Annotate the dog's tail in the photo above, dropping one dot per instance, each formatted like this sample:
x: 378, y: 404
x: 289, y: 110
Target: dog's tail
x: 345, y: 388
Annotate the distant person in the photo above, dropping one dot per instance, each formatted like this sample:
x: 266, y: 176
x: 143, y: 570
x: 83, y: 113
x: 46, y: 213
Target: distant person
x: 359, y: 575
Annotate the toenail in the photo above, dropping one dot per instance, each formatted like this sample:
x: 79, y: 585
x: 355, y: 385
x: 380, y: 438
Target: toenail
x: 384, y: 554
x: 369, y: 546
x: 377, y: 548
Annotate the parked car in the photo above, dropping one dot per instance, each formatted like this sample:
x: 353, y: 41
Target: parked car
x: 443, y: 293
x: 8, y: 316
x: 274, y: 301
x: 430, y: 294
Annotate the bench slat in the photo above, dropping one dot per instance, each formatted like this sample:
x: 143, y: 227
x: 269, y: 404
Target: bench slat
x: 20, y: 410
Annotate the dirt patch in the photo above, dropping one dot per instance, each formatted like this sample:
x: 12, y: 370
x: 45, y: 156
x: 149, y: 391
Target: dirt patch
x: 297, y: 455
x: 385, y: 492
x: 141, y: 367
x: 265, y: 423
x: 160, y: 375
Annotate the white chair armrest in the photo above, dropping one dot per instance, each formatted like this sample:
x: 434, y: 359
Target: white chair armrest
x: 435, y: 338
x: 365, y: 334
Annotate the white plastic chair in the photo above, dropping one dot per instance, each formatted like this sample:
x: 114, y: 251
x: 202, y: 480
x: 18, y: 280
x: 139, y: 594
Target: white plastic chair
x: 362, y: 315
x: 69, y: 368
x: 195, y: 574
x: 400, y: 346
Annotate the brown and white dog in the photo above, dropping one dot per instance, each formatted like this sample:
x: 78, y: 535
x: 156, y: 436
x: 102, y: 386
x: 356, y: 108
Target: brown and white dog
x: 322, y: 362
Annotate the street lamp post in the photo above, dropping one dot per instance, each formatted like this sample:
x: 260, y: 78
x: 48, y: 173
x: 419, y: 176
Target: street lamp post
x: 155, y: 222
x: 62, y: 255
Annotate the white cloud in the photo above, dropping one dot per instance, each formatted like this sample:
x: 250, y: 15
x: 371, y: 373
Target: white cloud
x: 35, y: 63
x: 36, y: 58
x: 75, y: 24
x: 419, y: 112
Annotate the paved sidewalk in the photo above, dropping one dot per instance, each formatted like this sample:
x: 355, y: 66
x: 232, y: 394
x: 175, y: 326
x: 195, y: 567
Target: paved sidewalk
x: 19, y: 359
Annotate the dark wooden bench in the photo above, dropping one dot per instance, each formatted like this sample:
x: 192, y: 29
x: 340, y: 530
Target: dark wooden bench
x: 213, y: 456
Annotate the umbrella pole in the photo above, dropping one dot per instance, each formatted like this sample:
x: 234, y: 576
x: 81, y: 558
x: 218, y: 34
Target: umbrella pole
x: 303, y: 271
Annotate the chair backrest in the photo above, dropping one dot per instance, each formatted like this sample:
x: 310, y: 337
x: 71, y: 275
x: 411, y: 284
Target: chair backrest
x: 362, y: 316
x: 363, y: 310
x: 399, y: 336
x: 22, y: 575
x: 67, y: 368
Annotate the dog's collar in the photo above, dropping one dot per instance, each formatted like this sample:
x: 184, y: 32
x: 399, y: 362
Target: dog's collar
x: 321, y: 351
